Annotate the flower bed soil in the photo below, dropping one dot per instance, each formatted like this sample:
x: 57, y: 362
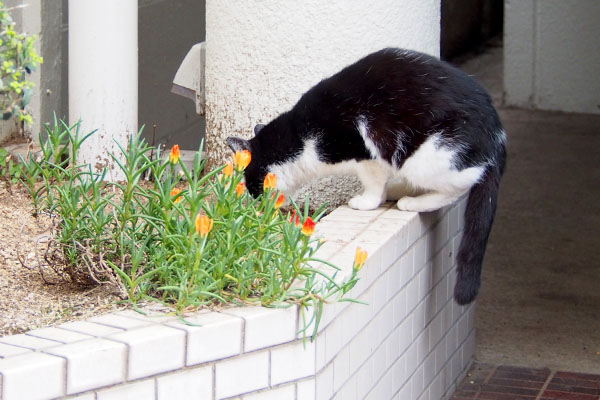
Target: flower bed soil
x: 31, y: 294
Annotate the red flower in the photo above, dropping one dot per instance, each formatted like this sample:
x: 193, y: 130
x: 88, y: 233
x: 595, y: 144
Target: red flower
x: 228, y: 170
x: 270, y: 181
x: 240, y: 188
x: 241, y: 159
x: 204, y: 225
x: 175, y: 193
x: 295, y: 219
x: 359, y: 258
x: 280, y: 200
x: 175, y: 154
x: 309, y: 227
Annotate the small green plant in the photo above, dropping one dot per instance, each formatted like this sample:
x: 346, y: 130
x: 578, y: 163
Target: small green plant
x: 186, y: 238
x: 18, y: 58
x: 10, y: 170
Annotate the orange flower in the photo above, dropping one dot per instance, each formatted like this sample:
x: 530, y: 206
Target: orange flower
x: 270, y: 181
x: 228, y: 170
x: 175, y: 193
x: 241, y: 159
x: 280, y: 201
x: 175, y: 154
x: 240, y: 188
x: 204, y: 225
x: 295, y: 219
x: 309, y: 227
x: 359, y: 258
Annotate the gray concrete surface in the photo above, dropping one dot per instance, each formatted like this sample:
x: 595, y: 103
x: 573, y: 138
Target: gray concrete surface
x: 539, y: 304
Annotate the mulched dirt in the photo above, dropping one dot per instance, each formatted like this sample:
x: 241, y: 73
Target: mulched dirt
x: 31, y: 294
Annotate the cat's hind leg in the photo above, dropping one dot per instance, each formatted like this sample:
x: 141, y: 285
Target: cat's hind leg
x: 427, y: 202
x: 373, y: 175
x: 433, y: 169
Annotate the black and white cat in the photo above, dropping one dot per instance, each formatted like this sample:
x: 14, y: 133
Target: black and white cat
x: 394, y: 115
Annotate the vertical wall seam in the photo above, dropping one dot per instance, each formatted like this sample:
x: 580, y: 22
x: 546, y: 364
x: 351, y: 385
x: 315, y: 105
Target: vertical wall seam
x: 214, y: 381
x: 65, y: 374
x: 185, y: 349
x: 243, y: 338
x: 155, y: 380
x: 269, y: 384
x: 534, y: 55
x: 126, y: 363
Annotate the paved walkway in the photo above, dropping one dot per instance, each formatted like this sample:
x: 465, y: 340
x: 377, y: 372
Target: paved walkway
x: 489, y: 382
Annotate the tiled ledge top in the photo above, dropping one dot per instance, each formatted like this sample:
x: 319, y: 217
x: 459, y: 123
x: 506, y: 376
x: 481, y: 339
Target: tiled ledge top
x: 212, y: 335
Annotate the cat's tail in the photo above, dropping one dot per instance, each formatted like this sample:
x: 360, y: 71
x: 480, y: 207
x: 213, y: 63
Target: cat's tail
x: 478, y: 219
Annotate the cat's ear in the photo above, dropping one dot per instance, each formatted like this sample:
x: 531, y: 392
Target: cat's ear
x: 238, y: 144
x: 258, y: 128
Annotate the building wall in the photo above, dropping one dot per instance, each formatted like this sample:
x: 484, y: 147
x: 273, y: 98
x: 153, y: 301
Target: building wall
x: 54, y: 83
x: 261, y: 56
x: 466, y: 24
x: 552, y: 54
x: 167, y: 30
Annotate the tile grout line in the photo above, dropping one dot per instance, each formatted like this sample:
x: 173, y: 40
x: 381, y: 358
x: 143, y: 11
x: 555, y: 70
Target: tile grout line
x: 214, y: 380
x: 243, y: 338
x: 155, y: 381
x: 269, y: 365
x: 65, y: 372
x: 126, y: 354
x: 545, y: 385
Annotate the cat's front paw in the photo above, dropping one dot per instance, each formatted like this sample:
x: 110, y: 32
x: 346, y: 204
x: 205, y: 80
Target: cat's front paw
x: 364, y: 203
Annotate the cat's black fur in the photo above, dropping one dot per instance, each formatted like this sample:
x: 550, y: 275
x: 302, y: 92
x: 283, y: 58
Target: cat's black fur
x: 408, y: 97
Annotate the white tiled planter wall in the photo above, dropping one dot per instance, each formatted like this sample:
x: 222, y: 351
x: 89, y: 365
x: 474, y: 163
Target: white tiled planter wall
x: 411, y: 342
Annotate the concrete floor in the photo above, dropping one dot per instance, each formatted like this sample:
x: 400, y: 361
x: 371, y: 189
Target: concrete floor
x: 539, y: 304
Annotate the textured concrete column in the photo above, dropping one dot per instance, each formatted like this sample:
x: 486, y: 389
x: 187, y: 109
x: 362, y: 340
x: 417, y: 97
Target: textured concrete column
x: 262, y: 55
x: 103, y: 71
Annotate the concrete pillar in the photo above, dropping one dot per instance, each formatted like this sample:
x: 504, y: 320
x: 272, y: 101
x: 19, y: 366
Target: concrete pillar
x: 262, y: 55
x: 103, y: 76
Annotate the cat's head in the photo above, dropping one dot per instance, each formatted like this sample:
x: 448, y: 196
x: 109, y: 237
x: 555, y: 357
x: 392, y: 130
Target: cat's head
x: 255, y: 172
x: 274, y: 148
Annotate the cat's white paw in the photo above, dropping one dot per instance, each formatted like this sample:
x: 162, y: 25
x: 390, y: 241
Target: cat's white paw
x: 408, y: 203
x: 364, y: 203
x: 425, y: 202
